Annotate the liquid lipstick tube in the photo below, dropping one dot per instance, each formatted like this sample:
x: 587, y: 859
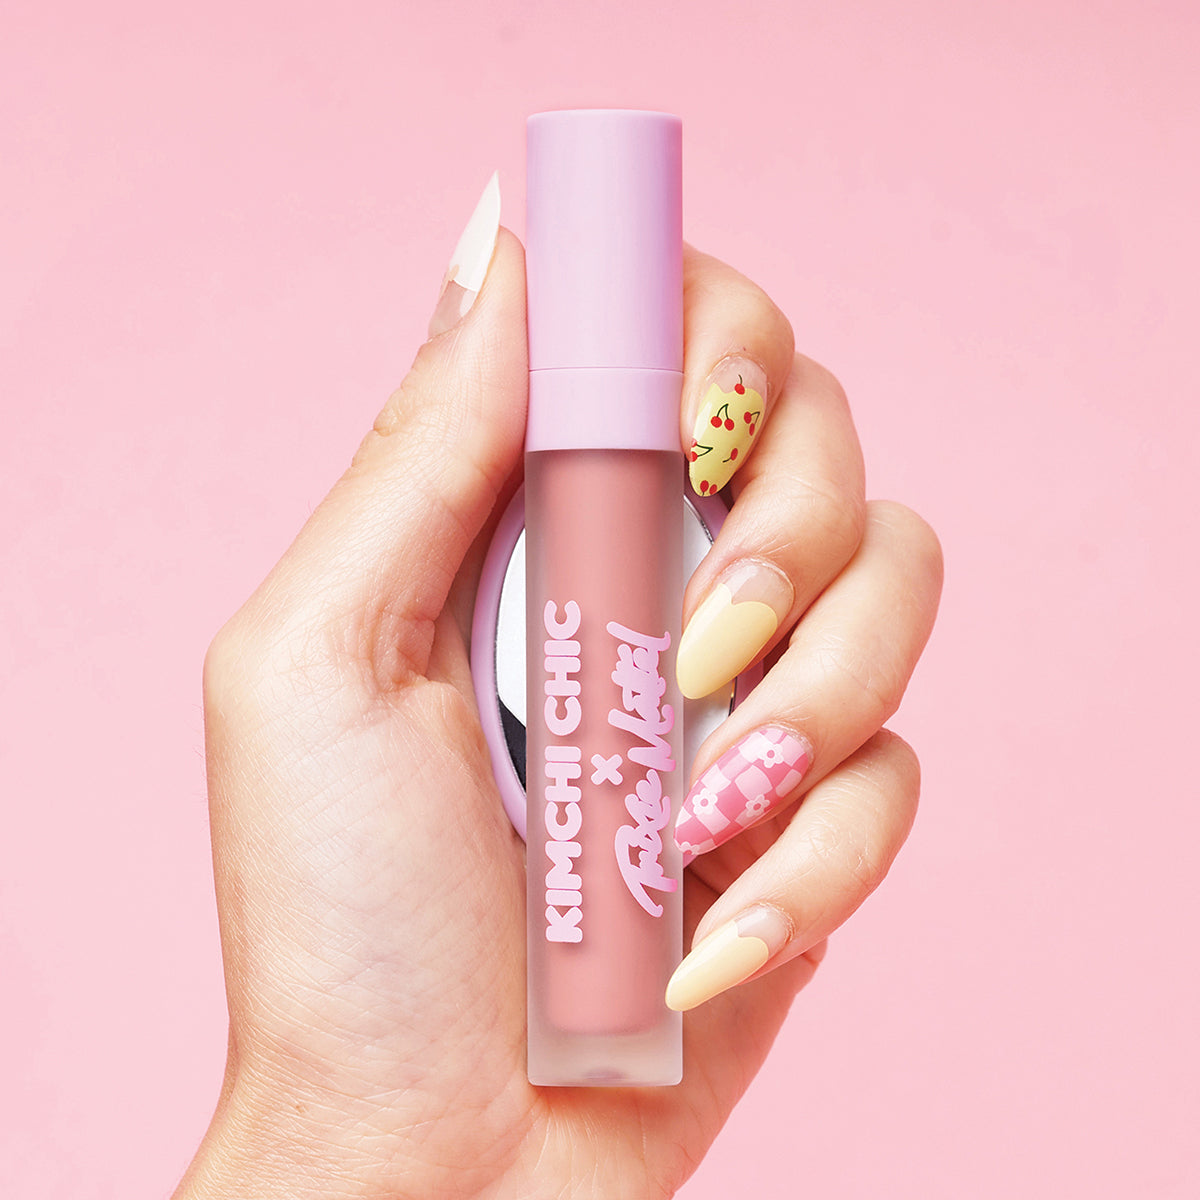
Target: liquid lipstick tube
x: 604, y: 571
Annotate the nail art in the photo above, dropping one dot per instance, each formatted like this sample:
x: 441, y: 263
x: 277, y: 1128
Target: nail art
x: 729, y: 420
x: 469, y: 262
x: 728, y: 956
x: 737, y: 618
x: 747, y: 783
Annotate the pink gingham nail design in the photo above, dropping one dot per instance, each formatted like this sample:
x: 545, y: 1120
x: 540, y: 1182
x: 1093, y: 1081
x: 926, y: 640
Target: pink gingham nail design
x: 744, y: 785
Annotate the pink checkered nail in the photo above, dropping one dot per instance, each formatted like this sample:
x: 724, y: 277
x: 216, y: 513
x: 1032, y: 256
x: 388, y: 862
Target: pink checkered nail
x: 747, y: 783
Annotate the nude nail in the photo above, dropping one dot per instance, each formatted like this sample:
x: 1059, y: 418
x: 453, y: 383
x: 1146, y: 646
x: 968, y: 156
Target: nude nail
x: 469, y: 263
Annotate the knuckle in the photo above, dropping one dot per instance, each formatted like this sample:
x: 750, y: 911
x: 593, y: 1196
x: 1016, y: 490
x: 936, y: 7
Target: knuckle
x: 842, y: 850
x: 874, y: 679
x: 405, y: 409
x: 712, y: 284
x: 413, y: 415
x: 264, y: 660
x: 391, y: 415
x: 903, y: 756
x: 223, y: 659
x: 402, y: 413
x: 324, y: 650
x: 249, y: 646
x: 236, y: 665
x: 817, y: 378
x: 846, y: 522
x: 849, y: 839
x: 385, y: 645
x: 766, y: 314
x: 922, y: 547
x: 900, y: 759
x: 888, y: 767
x: 835, y: 517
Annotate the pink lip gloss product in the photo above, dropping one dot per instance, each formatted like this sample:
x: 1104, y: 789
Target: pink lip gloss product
x: 604, y: 572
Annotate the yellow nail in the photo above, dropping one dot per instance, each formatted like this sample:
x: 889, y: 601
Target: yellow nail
x: 732, y: 625
x: 728, y: 422
x: 728, y: 956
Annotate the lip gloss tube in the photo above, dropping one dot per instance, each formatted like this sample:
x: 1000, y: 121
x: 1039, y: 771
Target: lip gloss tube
x: 604, y: 571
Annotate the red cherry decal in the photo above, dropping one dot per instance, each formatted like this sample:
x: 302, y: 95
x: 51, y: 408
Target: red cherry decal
x: 739, y: 388
x: 703, y: 486
x: 751, y: 430
x: 716, y: 422
x: 733, y: 455
x: 746, y: 418
x: 694, y: 456
x: 728, y: 423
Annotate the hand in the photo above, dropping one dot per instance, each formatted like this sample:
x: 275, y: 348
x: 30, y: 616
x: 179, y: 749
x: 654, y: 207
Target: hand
x: 370, y: 890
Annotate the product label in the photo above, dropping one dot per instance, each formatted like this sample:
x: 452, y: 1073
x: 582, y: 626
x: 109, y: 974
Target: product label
x: 644, y: 722
x: 561, y: 768
x: 638, y: 846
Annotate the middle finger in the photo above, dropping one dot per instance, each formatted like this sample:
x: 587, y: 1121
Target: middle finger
x: 842, y: 675
x: 797, y: 521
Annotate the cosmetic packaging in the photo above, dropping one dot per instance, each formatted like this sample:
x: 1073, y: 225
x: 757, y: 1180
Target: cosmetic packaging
x: 604, y: 574
x: 498, y: 648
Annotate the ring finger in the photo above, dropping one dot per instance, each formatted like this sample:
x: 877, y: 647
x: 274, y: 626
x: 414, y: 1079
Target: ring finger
x: 841, y: 677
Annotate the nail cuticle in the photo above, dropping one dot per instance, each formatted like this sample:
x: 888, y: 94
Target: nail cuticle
x: 737, y: 363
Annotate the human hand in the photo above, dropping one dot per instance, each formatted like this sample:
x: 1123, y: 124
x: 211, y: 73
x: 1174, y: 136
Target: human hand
x: 370, y: 889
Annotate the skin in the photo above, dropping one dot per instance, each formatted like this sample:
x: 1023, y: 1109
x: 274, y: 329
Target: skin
x: 370, y: 891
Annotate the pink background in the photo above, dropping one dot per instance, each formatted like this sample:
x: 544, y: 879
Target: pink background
x: 222, y: 230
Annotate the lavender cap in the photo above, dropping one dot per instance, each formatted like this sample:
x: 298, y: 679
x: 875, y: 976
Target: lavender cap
x: 604, y: 254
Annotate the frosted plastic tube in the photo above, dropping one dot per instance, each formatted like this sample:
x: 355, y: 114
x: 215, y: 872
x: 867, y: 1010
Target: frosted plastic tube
x: 604, y: 530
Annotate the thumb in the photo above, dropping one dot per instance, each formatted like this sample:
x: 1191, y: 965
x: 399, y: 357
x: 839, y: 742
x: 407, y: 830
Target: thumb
x: 380, y: 552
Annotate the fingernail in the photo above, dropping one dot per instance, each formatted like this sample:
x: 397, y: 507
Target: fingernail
x: 727, y: 424
x: 747, y: 783
x: 469, y: 262
x: 728, y: 956
x: 737, y: 618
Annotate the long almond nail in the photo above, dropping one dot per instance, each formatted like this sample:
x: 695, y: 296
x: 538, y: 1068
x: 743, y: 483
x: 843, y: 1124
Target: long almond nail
x: 469, y: 262
x: 728, y: 422
x: 737, y: 618
x: 751, y: 780
x: 728, y: 956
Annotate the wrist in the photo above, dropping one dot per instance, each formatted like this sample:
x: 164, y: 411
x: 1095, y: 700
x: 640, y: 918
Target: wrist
x: 270, y: 1142
x: 263, y: 1144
